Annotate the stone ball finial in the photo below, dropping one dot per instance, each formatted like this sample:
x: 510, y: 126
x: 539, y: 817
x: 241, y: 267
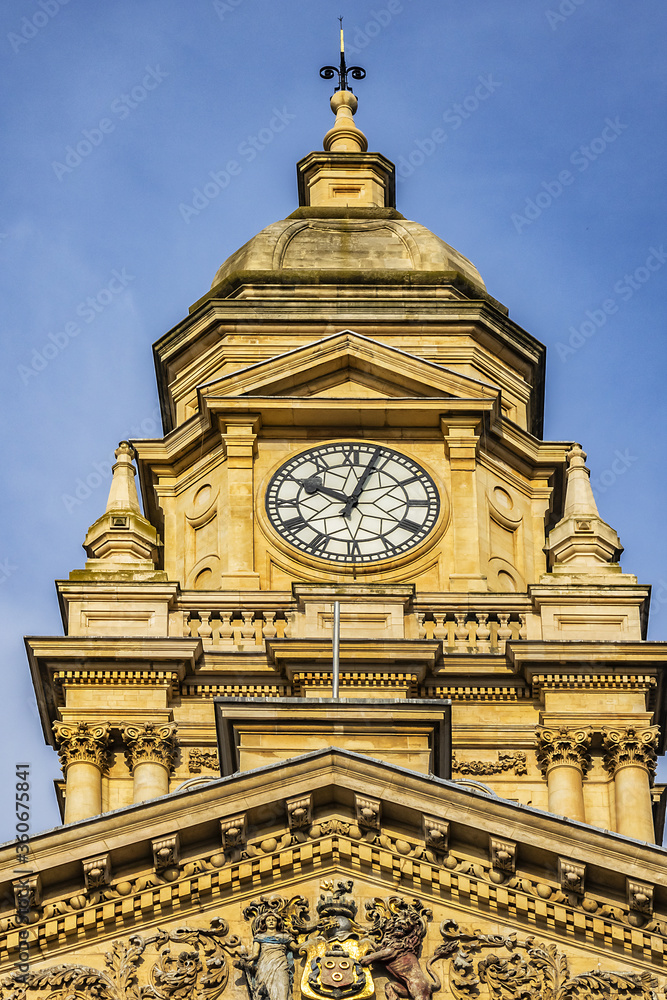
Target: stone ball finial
x: 576, y: 456
x: 345, y: 137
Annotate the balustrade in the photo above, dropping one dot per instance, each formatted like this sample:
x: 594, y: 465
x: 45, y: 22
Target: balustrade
x: 234, y: 629
x: 466, y: 632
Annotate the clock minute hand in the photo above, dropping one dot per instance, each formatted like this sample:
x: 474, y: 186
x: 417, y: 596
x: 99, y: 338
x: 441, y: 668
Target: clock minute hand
x: 356, y: 492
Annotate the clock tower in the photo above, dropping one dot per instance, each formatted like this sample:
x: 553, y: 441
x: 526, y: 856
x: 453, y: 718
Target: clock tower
x: 351, y: 421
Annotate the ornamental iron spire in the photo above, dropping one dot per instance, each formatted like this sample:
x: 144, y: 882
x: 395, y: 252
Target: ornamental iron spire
x: 343, y: 71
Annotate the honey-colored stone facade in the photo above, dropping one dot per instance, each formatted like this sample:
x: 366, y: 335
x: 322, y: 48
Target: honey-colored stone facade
x: 477, y: 814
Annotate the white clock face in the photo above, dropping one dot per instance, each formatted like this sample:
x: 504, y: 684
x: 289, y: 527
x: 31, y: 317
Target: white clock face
x: 351, y: 502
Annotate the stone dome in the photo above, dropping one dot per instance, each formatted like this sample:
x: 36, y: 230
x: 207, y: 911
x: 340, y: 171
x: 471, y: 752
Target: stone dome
x: 359, y: 240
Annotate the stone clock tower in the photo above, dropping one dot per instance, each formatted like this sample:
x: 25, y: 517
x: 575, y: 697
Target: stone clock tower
x: 349, y: 417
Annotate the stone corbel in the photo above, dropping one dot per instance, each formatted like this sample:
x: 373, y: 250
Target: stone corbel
x: 436, y: 835
x: 97, y: 873
x: 166, y: 853
x: 234, y: 833
x: 300, y: 813
x: 572, y: 877
x: 27, y: 894
x: 502, y: 854
x: 640, y: 897
x: 462, y: 438
x: 368, y: 812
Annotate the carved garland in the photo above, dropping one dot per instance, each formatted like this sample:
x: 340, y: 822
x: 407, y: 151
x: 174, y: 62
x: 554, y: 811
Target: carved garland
x: 512, y: 761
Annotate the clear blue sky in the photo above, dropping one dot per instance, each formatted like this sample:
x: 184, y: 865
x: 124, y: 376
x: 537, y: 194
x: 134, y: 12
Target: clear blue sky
x: 157, y: 95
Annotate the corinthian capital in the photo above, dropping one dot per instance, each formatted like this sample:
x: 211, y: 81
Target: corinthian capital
x: 150, y: 742
x: 630, y: 747
x: 563, y: 746
x: 83, y: 742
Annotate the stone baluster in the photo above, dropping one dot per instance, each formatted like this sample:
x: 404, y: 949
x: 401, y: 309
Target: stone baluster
x: 185, y: 626
x: 523, y: 630
x: 630, y: 757
x: 563, y: 756
x: 269, y: 630
x: 421, y: 626
x: 440, y: 627
x: 248, y: 630
x: 460, y: 633
x: 205, y: 632
x: 150, y: 753
x: 504, y: 631
x: 289, y: 624
x: 84, y: 756
x: 483, y: 633
x: 226, y: 630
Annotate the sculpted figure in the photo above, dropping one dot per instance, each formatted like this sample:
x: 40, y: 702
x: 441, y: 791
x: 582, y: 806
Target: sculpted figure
x: 399, y: 929
x: 269, y: 967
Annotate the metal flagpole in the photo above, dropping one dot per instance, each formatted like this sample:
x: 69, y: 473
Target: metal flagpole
x: 336, y: 649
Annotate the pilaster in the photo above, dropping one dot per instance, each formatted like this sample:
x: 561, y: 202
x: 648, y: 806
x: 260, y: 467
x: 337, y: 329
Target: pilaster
x: 239, y: 434
x: 462, y: 440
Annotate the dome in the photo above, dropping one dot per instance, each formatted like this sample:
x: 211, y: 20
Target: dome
x: 338, y: 239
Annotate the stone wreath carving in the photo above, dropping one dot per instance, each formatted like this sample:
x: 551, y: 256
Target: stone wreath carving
x: 198, y: 970
x: 514, y: 760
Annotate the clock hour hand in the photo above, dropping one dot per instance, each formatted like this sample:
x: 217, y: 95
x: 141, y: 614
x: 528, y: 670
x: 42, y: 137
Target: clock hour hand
x: 356, y: 492
x: 314, y: 484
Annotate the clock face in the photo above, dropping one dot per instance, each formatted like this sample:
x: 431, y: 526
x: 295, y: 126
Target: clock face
x: 352, y: 502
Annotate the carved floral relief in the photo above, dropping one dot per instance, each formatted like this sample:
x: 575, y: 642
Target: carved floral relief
x: 338, y: 956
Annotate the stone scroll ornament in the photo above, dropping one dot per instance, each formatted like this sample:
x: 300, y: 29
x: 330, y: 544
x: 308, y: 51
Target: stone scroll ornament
x: 196, y: 969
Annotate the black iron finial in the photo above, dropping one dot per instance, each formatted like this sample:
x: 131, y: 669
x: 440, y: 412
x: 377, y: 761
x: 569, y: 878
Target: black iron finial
x: 329, y: 72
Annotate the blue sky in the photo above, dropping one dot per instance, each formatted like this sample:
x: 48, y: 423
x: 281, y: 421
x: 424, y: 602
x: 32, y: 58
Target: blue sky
x: 550, y: 178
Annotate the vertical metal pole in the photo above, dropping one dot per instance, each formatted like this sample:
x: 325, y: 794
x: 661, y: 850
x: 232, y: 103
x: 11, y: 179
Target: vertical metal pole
x: 336, y: 649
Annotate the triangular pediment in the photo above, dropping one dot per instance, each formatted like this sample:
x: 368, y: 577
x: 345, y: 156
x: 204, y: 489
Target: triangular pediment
x: 348, y: 365
x: 468, y: 869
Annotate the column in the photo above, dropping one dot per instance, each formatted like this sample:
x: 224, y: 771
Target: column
x: 84, y: 755
x: 239, y: 434
x: 150, y: 753
x: 462, y: 438
x: 563, y: 756
x: 630, y: 757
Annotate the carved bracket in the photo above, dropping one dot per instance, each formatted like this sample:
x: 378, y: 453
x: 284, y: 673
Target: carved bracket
x: 572, y: 876
x: 166, y: 853
x: 27, y: 893
x: 503, y: 855
x: 234, y: 832
x: 97, y: 872
x: 436, y: 834
x: 368, y: 812
x: 300, y: 813
x: 640, y: 896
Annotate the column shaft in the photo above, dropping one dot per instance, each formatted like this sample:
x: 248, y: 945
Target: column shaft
x: 83, y: 796
x: 149, y: 781
x: 565, y: 787
x: 634, y: 815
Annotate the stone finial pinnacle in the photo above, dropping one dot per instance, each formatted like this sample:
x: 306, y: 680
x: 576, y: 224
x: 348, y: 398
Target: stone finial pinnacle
x: 579, y: 499
x: 123, y: 493
x: 344, y: 137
